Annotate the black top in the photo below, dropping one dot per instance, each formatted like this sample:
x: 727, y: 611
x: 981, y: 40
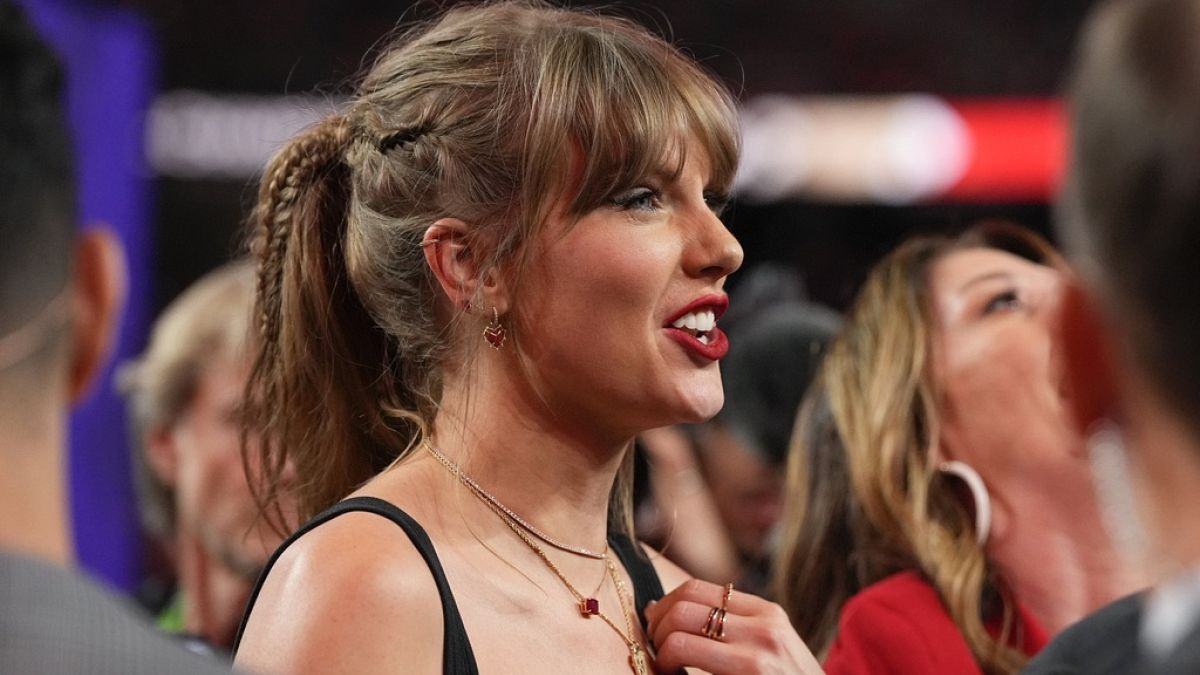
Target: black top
x: 457, y: 657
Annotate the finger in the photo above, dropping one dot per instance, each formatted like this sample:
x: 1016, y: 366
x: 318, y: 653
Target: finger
x: 686, y: 617
x: 693, y: 590
x: 681, y: 649
x: 706, y: 593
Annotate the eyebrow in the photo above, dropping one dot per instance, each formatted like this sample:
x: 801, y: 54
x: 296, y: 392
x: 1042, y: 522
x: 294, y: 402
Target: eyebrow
x: 991, y: 276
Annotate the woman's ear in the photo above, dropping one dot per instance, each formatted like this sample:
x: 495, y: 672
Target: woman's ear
x: 1088, y: 368
x: 460, y: 270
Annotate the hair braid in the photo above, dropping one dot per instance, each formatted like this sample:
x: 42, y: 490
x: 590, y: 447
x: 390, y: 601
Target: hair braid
x: 467, y: 117
x: 295, y: 164
x: 301, y: 162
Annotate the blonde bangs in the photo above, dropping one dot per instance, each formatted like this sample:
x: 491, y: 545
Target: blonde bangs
x: 614, y: 107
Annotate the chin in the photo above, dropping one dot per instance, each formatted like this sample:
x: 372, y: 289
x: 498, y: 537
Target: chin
x: 701, y: 408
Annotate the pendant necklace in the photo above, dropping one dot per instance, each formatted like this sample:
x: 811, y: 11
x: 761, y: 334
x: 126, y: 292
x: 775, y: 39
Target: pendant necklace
x: 587, y: 606
x: 508, y: 513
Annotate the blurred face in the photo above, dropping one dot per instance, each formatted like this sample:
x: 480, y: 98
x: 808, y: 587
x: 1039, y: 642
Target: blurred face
x: 212, y: 496
x: 618, y: 312
x: 998, y: 364
x: 747, y: 490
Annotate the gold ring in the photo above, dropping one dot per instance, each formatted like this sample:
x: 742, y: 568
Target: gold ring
x: 714, y: 628
x: 708, y: 625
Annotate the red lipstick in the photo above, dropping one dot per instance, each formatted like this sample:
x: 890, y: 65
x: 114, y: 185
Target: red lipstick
x: 717, y: 344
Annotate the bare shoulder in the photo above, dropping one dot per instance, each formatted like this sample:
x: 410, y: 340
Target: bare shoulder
x: 671, y: 575
x: 351, y: 596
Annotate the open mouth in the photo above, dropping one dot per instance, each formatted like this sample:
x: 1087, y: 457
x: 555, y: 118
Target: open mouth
x: 695, y: 327
x: 699, y: 324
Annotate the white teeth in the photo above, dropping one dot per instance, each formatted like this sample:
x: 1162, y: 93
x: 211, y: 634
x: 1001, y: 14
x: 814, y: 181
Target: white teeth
x: 702, y: 339
x: 702, y: 321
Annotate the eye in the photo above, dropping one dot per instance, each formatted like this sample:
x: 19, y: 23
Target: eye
x: 717, y: 202
x: 639, y: 199
x: 1004, y: 301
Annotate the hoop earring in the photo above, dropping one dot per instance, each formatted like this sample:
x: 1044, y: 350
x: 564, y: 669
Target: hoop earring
x: 495, y: 333
x: 979, y: 494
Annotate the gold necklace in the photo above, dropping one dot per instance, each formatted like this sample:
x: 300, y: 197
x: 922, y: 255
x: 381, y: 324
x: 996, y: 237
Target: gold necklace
x: 588, y: 607
x: 488, y: 497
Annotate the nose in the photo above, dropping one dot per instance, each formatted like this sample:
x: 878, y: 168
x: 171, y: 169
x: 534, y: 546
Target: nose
x: 713, y: 251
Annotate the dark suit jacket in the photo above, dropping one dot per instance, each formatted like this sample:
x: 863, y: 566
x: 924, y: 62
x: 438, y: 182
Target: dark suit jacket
x: 1106, y: 643
x: 1102, y: 643
x: 1185, y: 660
x: 53, y: 622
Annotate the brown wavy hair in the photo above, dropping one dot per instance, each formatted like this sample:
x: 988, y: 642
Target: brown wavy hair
x: 488, y: 114
x: 864, y: 497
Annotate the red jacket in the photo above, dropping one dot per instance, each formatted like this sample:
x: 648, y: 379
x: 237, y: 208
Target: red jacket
x: 899, y: 626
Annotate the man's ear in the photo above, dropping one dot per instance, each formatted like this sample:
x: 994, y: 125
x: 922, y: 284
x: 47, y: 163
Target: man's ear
x: 99, y: 280
x: 161, y: 455
x: 459, y: 269
x: 1087, y: 359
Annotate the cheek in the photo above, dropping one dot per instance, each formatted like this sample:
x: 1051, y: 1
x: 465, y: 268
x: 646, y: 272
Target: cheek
x: 215, y: 463
x: 1005, y: 368
x: 588, y: 288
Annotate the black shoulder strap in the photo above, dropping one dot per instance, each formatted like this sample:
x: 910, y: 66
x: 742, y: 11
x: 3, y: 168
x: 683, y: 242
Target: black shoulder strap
x: 646, y: 584
x: 457, y: 656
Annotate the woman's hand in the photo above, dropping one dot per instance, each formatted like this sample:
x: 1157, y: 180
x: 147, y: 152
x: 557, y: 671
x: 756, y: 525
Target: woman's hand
x: 757, y: 636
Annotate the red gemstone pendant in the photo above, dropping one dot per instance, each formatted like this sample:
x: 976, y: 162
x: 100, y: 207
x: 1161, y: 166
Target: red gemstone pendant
x: 495, y: 335
x: 589, y: 606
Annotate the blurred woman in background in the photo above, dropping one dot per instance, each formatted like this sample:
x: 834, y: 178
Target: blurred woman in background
x: 944, y: 517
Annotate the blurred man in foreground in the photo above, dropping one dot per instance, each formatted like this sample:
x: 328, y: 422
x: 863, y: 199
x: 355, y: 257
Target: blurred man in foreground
x: 1131, y: 219
x: 60, y: 297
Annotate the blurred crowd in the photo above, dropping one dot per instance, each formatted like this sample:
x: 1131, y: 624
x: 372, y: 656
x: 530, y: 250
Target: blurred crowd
x: 477, y: 359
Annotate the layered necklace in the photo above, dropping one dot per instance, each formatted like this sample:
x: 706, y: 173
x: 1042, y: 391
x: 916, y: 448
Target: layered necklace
x: 587, y: 606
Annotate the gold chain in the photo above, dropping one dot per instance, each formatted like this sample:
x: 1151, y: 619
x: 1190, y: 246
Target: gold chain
x: 637, y: 654
x: 489, y: 498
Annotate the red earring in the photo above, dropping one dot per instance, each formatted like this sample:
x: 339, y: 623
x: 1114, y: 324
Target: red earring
x: 495, y: 333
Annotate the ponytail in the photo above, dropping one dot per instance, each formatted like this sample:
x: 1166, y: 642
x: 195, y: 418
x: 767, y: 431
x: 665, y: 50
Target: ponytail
x: 322, y: 361
x: 467, y: 116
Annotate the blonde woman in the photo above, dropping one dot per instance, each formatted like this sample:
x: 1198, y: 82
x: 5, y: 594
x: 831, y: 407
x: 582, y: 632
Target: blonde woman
x: 947, y: 522
x: 477, y: 285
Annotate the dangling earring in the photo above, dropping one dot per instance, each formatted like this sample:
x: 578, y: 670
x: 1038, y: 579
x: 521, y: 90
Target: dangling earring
x: 1114, y: 488
x: 979, y: 494
x: 495, y: 333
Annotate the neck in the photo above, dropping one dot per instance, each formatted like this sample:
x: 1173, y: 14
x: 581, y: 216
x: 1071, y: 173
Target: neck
x: 1164, y: 462
x: 554, y: 472
x: 213, y: 596
x: 33, y: 503
x: 1055, y: 553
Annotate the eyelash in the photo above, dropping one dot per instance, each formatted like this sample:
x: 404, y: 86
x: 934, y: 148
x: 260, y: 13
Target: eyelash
x: 639, y: 199
x: 1006, y: 300
x: 647, y: 199
x: 717, y: 202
